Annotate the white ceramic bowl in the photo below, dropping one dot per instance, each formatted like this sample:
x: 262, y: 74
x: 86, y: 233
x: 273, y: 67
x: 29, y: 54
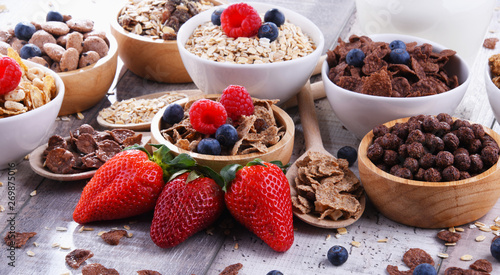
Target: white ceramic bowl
x: 493, y: 93
x: 22, y: 133
x: 359, y: 113
x: 281, y: 80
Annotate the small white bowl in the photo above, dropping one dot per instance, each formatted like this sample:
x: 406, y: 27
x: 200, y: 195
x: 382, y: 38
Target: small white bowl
x: 22, y: 133
x: 493, y: 92
x: 359, y: 113
x: 281, y: 80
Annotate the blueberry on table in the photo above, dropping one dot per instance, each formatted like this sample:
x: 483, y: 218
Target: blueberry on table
x: 268, y: 30
x: 397, y: 44
x: 24, y: 30
x: 215, y: 18
x: 355, y: 57
x: 495, y: 249
x: 337, y: 255
x: 424, y: 269
x: 275, y: 16
x: 348, y: 153
x: 54, y: 16
x: 173, y: 114
x: 208, y: 146
x: 226, y: 135
x: 29, y: 51
x: 274, y: 272
x: 399, y: 56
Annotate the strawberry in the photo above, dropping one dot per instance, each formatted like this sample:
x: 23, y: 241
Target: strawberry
x: 258, y: 196
x: 189, y: 203
x: 126, y: 185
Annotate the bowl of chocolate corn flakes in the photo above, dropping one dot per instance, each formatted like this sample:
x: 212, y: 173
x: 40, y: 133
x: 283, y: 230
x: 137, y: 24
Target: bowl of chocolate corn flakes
x: 431, y: 171
x: 375, y: 79
x: 27, y: 111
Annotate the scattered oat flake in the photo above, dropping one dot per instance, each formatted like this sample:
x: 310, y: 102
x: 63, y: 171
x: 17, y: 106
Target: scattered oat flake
x: 35, y: 244
x: 485, y: 229
x: 450, y: 244
x: 382, y: 240
x: 65, y: 118
x: 472, y: 226
x: 60, y: 228
x: 33, y: 193
x: 129, y: 234
x: 55, y: 245
x: 3, y: 8
x: 443, y: 255
x: 100, y: 233
x: 466, y: 257
x: 81, y: 229
x: 452, y: 229
x: 342, y: 231
x: 65, y: 247
x: 1, y: 184
x: 2, y: 208
x: 328, y: 237
x: 479, y: 224
x: 66, y: 273
x: 126, y: 227
x: 355, y: 243
x: 27, y: 157
x: 47, y: 228
x: 236, y: 246
x: 80, y: 116
x: 30, y: 253
x: 480, y: 238
x: 495, y: 228
x: 459, y: 229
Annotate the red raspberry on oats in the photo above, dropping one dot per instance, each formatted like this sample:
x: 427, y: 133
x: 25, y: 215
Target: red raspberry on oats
x: 239, y: 20
x: 207, y: 115
x: 237, y: 102
x: 10, y: 74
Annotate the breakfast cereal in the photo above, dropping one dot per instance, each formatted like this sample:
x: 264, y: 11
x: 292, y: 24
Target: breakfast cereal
x: 113, y: 237
x: 76, y: 257
x: 18, y: 239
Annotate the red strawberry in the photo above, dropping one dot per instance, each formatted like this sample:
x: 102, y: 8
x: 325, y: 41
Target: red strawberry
x: 259, y: 198
x: 185, y: 207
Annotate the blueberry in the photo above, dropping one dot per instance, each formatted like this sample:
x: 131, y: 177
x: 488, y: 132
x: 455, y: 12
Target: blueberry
x: 337, y: 255
x: 209, y: 146
x: 216, y: 16
x: 424, y: 269
x: 274, y: 272
x: 397, y: 44
x: 173, y: 114
x: 24, y: 30
x: 399, y: 56
x: 268, y: 30
x: 275, y: 16
x: 54, y: 16
x: 226, y: 135
x: 29, y: 51
x: 355, y: 57
x: 348, y: 153
x: 495, y: 249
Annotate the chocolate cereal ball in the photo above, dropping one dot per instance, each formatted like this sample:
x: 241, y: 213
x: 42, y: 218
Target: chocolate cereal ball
x: 380, y: 130
x: 404, y: 173
x: 420, y: 174
x: 434, y: 144
x: 465, y: 135
x: 443, y: 117
x: 461, y: 151
x: 476, y: 163
x: 460, y: 123
x: 390, y: 157
x: 450, y: 173
x: 475, y: 146
x: 430, y: 124
x: 415, y: 150
x: 411, y: 164
x: 432, y: 174
x: 462, y: 162
x: 401, y: 130
x: 444, y: 159
x: 403, y: 151
x: 375, y: 152
x: 478, y: 131
x: 427, y: 161
x: 451, y: 142
x: 390, y: 142
x: 464, y: 175
x: 489, y: 155
x: 415, y: 136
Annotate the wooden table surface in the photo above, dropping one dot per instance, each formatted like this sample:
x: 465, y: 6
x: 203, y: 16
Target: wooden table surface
x: 209, y: 252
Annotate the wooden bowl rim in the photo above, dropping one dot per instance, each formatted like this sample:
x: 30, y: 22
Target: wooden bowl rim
x: 282, y: 117
x: 367, y: 140
x: 119, y: 29
x: 112, y: 54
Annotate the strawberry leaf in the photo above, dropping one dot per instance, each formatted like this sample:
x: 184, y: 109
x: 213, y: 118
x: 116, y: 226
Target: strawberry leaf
x: 280, y: 165
x: 256, y: 161
x: 228, y: 173
x: 207, y: 171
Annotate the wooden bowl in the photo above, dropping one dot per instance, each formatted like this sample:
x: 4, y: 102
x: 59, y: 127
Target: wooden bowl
x: 157, y: 60
x: 281, y: 151
x: 428, y: 204
x: 87, y: 86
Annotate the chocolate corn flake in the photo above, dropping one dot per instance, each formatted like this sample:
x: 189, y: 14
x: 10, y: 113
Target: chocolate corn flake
x: 113, y: 237
x: 490, y: 43
x: 98, y: 269
x: 76, y: 257
x: 148, y: 272
x: 232, y: 269
x: 482, y: 265
x: 18, y: 239
x: 416, y: 256
x: 448, y: 236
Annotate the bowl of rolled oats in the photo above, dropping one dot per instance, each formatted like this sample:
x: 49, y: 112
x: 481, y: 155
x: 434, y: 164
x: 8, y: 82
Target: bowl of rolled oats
x: 146, y: 32
x: 270, y: 67
x: 369, y: 80
x: 28, y: 111
x: 268, y: 134
x: 431, y: 171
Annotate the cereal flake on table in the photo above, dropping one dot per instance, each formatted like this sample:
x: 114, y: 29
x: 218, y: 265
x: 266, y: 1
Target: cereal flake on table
x: 210, y: 42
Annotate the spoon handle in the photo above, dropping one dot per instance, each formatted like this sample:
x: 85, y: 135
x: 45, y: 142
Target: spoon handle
x: 308, y: 118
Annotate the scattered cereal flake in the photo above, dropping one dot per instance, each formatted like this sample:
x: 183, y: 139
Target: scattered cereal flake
x: 35, y: 244
x: 497, y: 219
x: 328, y: 237
x: 27, y: 157
x: 383, y: 240
x: 1, y: 184
x: 236, y: 246
x: 342, y: 230
x: 80, y: 230
x: 129, y: 234
x: 355, y: 243
x: 485, y: 229
x: 472, y: 226
x: 114, y: 228
x: 2, y: 208
x: 452, y: 229
x: 65, y: 247
x: 126, y: 227
x: 55, y: 245
x: 466, y: 257
x: 496, y: 233
x: 80, y: 116
x: 33, y: 193
x: 30, y: 253
x: 480, y: 238
x: 495, y: 227
x: 65, y: 118
x: 60, y: 228
x: 479, y: 224
x: 450, y: 244
x: 47, y: 228
x: 100, y: 233
x: 459, y: 229
x: 66, y: 273
x: 3, y: 8
x: 443, y: 255
x: 337, y: 236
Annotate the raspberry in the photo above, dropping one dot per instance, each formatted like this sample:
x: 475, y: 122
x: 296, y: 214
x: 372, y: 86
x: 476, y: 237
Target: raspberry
x: 237, y: 102
x: 240, y: 20
x: 207, y: 115
x: 10, y: 74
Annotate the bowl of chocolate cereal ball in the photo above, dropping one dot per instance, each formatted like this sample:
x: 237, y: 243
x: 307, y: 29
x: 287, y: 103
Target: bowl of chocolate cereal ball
x: 146, y: 32
x: 28, y: 109
x: 216, y: 132
x: 370, y: 80
x: 431, y: 171
x: 492, y: 81
x: 270, y: 50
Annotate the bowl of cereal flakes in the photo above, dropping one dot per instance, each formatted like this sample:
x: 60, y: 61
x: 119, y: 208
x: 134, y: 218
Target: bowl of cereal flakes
x: 146, y: 32
x: 492, y: 80
x: 266, y: 133
x: 375, y: 79
x: 272, y: 61
x: 431, y: 171
x: 28, y: 111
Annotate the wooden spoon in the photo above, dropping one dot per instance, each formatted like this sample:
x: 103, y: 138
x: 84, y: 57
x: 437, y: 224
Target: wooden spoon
x: 313, y: 142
